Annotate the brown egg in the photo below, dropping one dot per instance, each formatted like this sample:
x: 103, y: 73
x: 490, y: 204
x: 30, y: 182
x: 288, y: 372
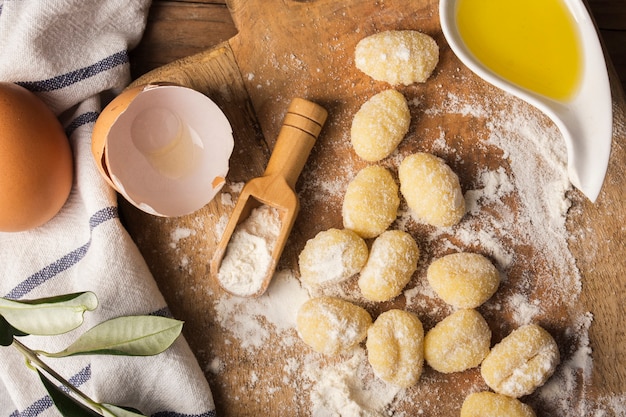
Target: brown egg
x: 36, y: 160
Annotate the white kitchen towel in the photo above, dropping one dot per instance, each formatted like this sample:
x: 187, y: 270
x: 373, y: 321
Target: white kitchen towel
x: 72, y: 53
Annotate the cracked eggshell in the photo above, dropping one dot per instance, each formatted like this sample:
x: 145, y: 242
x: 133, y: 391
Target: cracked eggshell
x: 163, y: 147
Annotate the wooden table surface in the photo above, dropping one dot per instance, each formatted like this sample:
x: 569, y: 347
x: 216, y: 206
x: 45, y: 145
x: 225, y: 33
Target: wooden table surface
x: 178, y: 29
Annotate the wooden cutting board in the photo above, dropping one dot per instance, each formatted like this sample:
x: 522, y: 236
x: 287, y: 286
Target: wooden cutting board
x: 287, y: 49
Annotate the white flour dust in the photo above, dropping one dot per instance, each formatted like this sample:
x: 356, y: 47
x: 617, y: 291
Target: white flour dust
x: 348, y: 388
x: 252, y: 320
x: 536, y: 173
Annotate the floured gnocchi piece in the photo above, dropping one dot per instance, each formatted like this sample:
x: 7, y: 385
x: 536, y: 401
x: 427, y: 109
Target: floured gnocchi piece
x: 490, y: 404
x: 380, y: 125
x: 397, y: 56
x: 331, y: 325
x: 371, y: 202
x: 331, y: 257
x: 391, y: 263
x: 431, y: 189
x: 521, y: 362
x: 463, y: 280
x: 459, y: 342
x: 395, y: 347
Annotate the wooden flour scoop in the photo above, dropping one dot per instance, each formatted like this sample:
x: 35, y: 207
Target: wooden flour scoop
x: 276, y: 189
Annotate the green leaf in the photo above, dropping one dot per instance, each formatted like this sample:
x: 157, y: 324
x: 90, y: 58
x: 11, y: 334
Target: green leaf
x: 110, y: 410
x: 130, y: 335
x: 67, y: 405
x: 48, y: 316
x: 7, y: 332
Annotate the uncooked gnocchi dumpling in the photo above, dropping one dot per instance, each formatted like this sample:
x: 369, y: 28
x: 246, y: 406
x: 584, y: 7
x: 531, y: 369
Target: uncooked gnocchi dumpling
x: 380, y: 125
x: 490, y: 404
x: 463, y: 280
x: 431, y: 189
x: 392, y: 260
x: 371, y: 202
x: 395, y: 347
x: 331, y: 325
x: 459, y: 342
x: 331, y: 257
x: 397, y: 56
x: 521, y: 362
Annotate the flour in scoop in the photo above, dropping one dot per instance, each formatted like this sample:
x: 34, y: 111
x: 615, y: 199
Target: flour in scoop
x: 249, y: 253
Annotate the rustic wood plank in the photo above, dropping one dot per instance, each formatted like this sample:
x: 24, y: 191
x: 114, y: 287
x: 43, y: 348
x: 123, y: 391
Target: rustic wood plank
x: 176, y: 29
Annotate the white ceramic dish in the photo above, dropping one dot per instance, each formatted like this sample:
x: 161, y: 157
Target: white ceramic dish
x: 586, y: 121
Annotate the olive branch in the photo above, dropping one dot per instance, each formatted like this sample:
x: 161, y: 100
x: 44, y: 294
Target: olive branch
x: 127, y: 335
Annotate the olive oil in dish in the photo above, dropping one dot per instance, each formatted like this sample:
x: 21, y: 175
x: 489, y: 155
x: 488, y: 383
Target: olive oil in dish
x: 532, y: 43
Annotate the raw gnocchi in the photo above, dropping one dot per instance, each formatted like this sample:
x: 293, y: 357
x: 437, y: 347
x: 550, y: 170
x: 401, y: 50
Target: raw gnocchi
x: 380, y: 125
x: 371, y: 202
x: 331, y: 257
x: 459, y: 342
x: 431, y: 189
x: 332, y: 326
x: 393, y: 259
x: 463, y: 280
x: 395, y: 347
x: 490, y: 404
x: 397, y: 56
x: 521, y: 362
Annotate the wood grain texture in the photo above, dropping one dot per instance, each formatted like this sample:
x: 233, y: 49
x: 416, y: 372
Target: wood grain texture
x: 178, y: 29
x: 267, y: 51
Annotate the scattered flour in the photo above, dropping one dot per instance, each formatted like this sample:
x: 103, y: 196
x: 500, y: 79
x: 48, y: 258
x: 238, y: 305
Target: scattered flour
x: 216, y: 366
x: 533, y: 175
x: 251, y: 320
x: 178, y: 234
x: 348, y: 389
x: 494, y: 185
x: 227, y: 200
x: 524, y: 311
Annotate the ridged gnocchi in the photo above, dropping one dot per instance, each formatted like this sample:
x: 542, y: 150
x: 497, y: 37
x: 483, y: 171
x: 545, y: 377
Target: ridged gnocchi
x: 431, y: 189
x: 331, y: 257
x: 521, y: 362
x: 371, y: 202
x: 397, y: 56
x: 393, y: 259
x: 490, y: 404
x: 395, y: 347
x: 332, y: 326
x: 459, y: 342
x: 380, y: 125
x: 463, y: 280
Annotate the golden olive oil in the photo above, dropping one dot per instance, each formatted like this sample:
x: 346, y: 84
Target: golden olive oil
x: 532, y: 43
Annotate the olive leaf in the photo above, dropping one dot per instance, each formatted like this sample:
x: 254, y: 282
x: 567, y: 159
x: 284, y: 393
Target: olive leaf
x: 129, y: 335
x: 109, y: 410
x: 7, y: 332
x: 48, y: 316
x: 67, y: 405
x: 70, y: 406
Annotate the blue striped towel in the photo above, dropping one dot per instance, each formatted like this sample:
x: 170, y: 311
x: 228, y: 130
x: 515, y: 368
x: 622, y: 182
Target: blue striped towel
x: 72, y: 53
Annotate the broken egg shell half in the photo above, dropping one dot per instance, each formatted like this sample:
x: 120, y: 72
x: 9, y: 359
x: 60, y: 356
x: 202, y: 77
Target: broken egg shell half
x: 165, y: 148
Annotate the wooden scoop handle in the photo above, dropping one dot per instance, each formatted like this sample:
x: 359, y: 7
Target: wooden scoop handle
x: 301, y: 127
